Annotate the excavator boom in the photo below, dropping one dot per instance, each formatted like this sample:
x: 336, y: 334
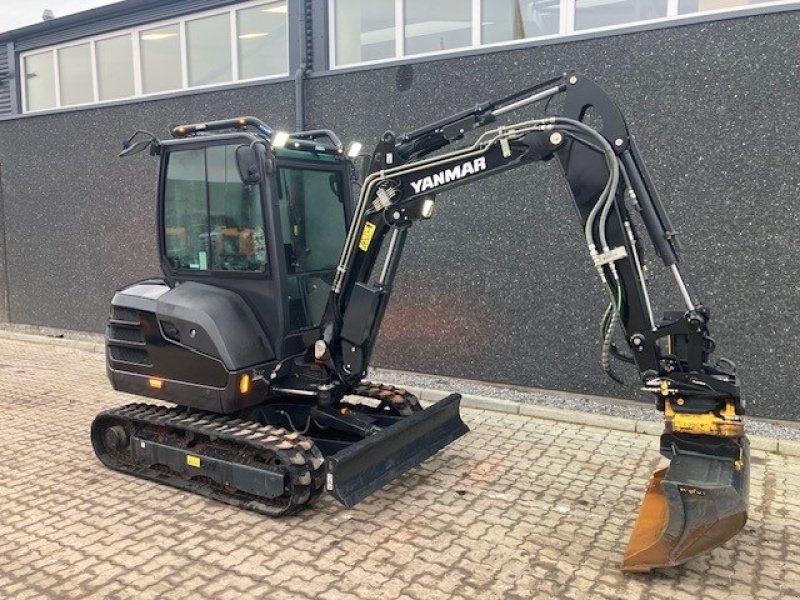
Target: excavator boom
x: 700, y: 501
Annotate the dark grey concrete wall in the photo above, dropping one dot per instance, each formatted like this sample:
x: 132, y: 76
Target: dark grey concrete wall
x: 80, y: 222
x: 498, y: 285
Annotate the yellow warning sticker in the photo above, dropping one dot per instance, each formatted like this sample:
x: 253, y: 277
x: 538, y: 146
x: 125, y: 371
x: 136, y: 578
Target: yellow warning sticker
x: 366, y: 236
x: 193, y: 461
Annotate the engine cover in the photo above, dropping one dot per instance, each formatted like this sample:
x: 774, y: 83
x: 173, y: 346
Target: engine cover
x: 189, y: 344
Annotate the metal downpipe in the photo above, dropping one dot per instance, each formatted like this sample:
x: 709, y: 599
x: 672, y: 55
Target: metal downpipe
x: 300, y: 98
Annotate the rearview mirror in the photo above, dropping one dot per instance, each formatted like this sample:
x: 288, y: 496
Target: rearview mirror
x: 149, y: 141
x: 134, y: 148
x: 247, y: 164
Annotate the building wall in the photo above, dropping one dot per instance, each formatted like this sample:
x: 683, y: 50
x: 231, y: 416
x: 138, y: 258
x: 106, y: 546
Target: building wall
x: 498, y: 285
x: 80, y: 222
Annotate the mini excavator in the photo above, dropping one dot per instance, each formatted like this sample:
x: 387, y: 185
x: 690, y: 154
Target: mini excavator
x: 277, y: 276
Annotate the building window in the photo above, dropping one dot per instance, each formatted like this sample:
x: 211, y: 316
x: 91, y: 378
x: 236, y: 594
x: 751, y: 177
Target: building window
x: 40, y: 81
x: 75, y: 74
x: 208, y: 44
x: 692, y: 6
x: 160, y: 50
x: 591, y: 14
x: 262, y: 41
x: 363, y: 31
x: 506, y: 20
x: 434, y: 26
x: 240, y: 42
x: 114, y: 67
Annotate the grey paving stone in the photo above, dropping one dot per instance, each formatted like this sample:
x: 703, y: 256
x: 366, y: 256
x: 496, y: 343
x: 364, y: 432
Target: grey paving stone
x: 521, y: 507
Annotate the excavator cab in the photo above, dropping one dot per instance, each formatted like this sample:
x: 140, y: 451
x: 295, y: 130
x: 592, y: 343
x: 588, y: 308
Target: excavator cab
x: 267, y: 225
x: 249, y: 238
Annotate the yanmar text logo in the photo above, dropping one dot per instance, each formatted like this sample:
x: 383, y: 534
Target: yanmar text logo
x: 446, y: 176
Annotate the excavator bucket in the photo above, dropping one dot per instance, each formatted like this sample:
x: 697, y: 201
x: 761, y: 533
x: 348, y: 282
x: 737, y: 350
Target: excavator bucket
x: 695, y: 505
x: 361, y: 468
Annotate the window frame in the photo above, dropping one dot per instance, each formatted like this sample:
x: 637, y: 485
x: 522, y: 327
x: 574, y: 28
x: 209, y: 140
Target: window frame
x: 566, y: 29
x: 176, y: 274
x: 134, y: 33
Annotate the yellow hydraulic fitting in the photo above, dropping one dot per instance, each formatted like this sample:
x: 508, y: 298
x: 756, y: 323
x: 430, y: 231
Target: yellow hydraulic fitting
x: 725, y: 424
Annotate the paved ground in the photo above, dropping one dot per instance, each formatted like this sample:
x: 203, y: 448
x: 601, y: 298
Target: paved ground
x: 519, y: 508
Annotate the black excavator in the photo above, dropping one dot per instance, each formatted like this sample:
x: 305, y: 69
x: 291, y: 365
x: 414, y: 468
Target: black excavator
x: 277, y: 276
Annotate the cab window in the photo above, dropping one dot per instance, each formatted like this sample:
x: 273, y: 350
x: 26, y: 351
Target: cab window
x: 312, y: 215
x: 212, y: 220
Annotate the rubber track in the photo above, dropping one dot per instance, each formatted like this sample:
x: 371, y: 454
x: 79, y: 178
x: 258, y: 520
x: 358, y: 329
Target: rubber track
x: 397, y: 399
x: 298, y: 455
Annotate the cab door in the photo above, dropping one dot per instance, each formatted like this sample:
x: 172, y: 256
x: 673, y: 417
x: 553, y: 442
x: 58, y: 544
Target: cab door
x: 217, y: 229
x: 313, y: 205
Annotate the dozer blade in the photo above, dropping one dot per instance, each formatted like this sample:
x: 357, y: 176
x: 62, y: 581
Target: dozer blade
x: 695, y: 505
x: 366, y: 466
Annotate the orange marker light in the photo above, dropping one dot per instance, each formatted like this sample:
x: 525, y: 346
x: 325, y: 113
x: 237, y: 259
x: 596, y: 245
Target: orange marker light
x: 244, y: 384
x: 156, y: 383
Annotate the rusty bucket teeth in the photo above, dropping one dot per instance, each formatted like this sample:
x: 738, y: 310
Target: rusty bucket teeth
x: 692, y: 507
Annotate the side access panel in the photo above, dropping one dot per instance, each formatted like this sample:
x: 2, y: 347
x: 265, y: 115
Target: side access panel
x: 188, y: 346
x: 215, y: 322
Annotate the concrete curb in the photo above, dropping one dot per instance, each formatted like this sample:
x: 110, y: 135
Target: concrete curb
x: 652, y: 428
x: 48, y: 340
x: 429, y: 396
x: 788, y: 447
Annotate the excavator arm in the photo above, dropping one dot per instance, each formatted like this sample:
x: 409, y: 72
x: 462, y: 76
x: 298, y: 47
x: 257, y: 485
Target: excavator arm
x: 700, y: 501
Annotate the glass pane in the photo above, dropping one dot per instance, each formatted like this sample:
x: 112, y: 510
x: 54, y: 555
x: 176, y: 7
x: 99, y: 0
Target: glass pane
x: 365, y: 30
x: 75, y: 74
x: 161, y: 59
x: 186, y: 210
x: 208, y: 43
x: 504, y: 20
x: 211, y: 219
x: 313, y: 230
x: 432, y: 26
x: 602, y: 13
x: 114, y: 67
x: 692, y: 6
x: 238, y: 242
x: 262, y: 40
x: 40, y: 81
